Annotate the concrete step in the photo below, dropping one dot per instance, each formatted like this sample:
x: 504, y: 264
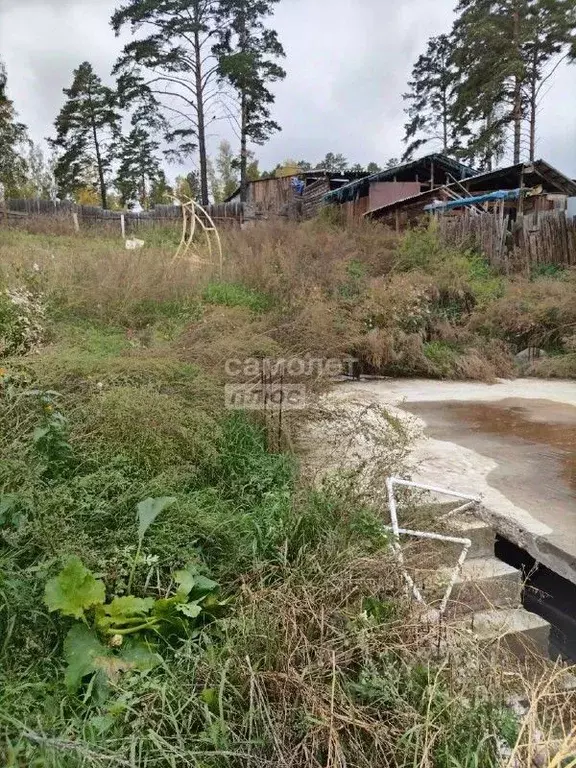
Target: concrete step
x: 483, y: 583
x: 524, y: 633
x: 481, y: 535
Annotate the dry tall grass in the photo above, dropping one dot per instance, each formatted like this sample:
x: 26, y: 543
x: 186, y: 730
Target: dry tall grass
x: 402, y: 308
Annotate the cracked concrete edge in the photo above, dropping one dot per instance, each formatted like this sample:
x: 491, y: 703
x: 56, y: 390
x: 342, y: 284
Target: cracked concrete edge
x: 540, y: 547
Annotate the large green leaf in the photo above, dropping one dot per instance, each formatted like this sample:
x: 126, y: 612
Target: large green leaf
x: 190, y: 579
x: 125, y: 607
x: 148, y: 511
x: 81, y: 649
x: 86, y: 655
x: 191, y: 610
x: 74, y: 590
x: 122, y: 611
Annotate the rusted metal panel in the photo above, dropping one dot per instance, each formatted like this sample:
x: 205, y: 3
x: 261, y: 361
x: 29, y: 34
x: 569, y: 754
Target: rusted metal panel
x: 387, y: 192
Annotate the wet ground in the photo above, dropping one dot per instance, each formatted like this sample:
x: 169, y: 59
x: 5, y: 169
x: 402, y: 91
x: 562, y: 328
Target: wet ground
x: 512, y: 443
x: 532, y: 441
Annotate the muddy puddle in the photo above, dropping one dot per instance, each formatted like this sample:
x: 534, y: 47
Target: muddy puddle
x: 532, y: 441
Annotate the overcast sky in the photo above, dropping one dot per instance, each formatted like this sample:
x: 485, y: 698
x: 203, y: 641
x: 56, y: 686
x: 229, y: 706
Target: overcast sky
x: 348, y: 62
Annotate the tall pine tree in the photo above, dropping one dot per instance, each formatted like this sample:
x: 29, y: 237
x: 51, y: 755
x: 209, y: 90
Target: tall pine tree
x: 170, y: 64
x: 430, y: 98
x: 502, y: 51
x: 13, y: 139
x: 248, y: 54
x: 553, y: 23
x: 87, y: 135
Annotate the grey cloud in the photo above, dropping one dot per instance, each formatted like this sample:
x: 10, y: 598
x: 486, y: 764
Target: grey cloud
x: 348, y: 62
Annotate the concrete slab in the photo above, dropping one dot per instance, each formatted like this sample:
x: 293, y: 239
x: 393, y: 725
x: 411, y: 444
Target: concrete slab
x: 513, y: 443
x: 484, y: 583
x: 481, y: 535
x: 521, y: 631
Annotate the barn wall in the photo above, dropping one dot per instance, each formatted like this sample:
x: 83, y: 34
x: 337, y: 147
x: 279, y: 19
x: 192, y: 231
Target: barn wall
x: 271, y: 195
x: 387, y: 192
x: 356, y: 209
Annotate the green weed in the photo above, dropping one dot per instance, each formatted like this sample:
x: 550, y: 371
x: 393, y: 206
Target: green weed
x: 236, y: 295
x: 442, y: 357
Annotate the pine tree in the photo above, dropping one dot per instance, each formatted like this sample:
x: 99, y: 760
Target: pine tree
x: 161, y: 193
x: 553, y: 24
x: 13, y: 139
x: 87, y: 134
x: 248, y: 52
x: 501, y: 51
x: 430, y: 98
x: 140, y: 168
x: 171, y: 67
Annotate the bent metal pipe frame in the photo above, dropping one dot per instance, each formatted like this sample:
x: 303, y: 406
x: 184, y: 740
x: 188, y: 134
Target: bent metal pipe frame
x: 470, y: 502
x: 193, y: 215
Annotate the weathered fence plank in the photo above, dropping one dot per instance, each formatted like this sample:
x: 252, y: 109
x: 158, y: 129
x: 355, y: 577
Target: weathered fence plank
x: 221, y: 213
x: 542, y: 237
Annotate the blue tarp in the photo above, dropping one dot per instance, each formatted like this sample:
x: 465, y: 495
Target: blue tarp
x: 502, y: 194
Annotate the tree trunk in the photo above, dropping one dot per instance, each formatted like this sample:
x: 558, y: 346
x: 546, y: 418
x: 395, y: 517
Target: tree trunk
x: 201, y: 124
x: 243, y: 114
x: 103, y: 193
x: 445, y: 116
x: 533, y: 105
x: 517, y: 117
x: 517, y: 97
x: 243, y: 149
x: 445, y: 122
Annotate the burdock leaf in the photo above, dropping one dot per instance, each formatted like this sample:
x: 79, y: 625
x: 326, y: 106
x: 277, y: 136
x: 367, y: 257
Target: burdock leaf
x: 148, y: 511
x: 191, y: 610
x: 189, y: 579
x: 124, y: 607
x: 81, y: 649
x: 74, y: 590
x: 86, y: 655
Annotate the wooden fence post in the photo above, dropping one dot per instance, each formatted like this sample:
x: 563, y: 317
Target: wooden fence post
x: 76, y: 222
x: 123, y: 225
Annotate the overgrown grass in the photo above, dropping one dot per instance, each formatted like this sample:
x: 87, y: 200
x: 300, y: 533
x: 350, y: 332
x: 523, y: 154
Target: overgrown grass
x: 315, y: 659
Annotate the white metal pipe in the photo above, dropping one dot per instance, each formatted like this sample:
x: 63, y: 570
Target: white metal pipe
x: 434, y: 536
x: 392, y: 503
x: 433, y: 489
x: 455, y: 573
x: 471, y: 501
x: 459, y: 510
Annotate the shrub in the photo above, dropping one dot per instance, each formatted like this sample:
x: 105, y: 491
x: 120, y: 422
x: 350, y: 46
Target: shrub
x: 442, y: 356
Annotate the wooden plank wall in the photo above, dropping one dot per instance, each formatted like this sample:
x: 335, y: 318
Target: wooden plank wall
x: 221, y: 213
x: 356, y: 209
x: 541, y: 237
x: 312, y: 199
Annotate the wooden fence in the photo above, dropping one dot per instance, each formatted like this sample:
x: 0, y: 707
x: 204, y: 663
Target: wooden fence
x: 543, y: 237
x: 223, y: 214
